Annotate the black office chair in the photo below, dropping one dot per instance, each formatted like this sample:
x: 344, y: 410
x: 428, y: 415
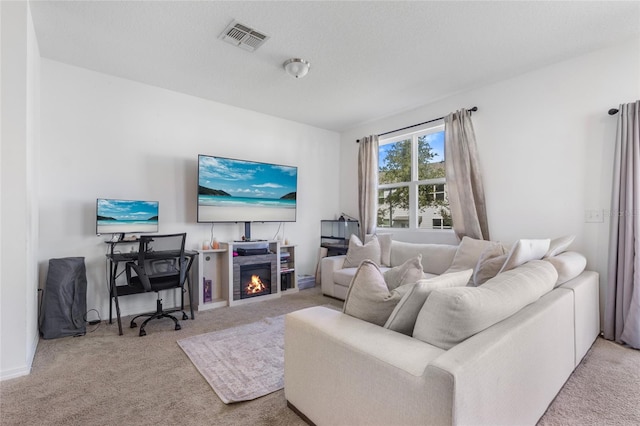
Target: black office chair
x: 161, y: 265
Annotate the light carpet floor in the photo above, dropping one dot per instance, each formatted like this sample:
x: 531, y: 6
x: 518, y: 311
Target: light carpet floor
x: 106, y: 379
x: 603, y: 390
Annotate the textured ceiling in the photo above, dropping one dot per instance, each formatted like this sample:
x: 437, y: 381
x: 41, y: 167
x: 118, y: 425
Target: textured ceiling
x: 368, y: 59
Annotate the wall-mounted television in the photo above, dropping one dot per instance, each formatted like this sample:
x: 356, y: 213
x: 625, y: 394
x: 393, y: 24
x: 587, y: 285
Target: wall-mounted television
x: 231, y: 190
x: 126, y: 216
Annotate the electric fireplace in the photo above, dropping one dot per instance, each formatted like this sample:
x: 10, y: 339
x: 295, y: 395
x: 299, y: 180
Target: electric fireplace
x: 255, y: 280
x: 254, y: 276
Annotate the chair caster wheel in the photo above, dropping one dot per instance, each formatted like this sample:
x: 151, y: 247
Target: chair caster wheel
x: 133, y: 325
x: 178, y: 327
x: 184, y: 316
x: 142, y: 333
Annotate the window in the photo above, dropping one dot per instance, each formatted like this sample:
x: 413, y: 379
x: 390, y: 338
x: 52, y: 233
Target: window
x: 412, y: 190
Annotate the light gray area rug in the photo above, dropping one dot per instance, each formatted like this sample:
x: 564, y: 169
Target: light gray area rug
x: 240, y: 363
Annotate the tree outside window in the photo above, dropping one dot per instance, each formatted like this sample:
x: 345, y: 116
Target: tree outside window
x: 411, y: 183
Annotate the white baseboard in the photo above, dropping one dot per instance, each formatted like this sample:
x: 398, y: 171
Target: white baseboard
x: 16, y: 372
x: 22, y: 371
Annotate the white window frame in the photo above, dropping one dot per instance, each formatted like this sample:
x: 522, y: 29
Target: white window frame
x: 414, y: 183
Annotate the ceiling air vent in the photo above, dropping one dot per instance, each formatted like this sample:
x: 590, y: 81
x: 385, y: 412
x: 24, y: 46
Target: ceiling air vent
x: 244, y: 37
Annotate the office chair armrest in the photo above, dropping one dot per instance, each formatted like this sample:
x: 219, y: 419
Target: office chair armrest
x: 142, y: 275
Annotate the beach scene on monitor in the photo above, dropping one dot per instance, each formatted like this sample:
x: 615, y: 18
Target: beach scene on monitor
x: 232, y: 190
x: 124, y: 216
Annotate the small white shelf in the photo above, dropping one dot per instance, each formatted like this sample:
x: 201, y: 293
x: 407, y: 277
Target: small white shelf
x: 289, y: 263
x: 210, y: 266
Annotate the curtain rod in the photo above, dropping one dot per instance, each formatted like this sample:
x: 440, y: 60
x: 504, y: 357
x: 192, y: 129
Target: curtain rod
x: 613, y: 111
x: 472, y: 109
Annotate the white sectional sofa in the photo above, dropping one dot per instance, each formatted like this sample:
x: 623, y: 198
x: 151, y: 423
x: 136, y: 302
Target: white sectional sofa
x: 342, y: 370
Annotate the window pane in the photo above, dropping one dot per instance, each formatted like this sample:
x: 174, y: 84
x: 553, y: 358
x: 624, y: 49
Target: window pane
x: 398, y: 176
x: 441, y: 223
x: 433, y: 207
x: 393, y: 208
x: 394, y: 162
x: 431, y: 156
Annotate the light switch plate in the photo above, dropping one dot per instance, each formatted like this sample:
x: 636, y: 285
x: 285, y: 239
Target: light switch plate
x: 593, y: 216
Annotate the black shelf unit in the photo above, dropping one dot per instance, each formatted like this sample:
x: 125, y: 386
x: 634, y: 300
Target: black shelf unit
x: 335, y: 234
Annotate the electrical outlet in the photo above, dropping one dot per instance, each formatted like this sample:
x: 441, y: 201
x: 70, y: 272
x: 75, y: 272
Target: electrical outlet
x: 593, y: 216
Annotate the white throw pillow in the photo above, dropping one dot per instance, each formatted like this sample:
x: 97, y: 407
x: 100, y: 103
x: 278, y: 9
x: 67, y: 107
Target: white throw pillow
x: 468, y: 253
x: 559, y: 245
x: 568, y: 265
x: 385, y: 247
x: 369, y: 298
x: 407, y: 273
x: 452, y: 315
x: 524, y: 251
x: 403, y: 317
x: 358, y: 252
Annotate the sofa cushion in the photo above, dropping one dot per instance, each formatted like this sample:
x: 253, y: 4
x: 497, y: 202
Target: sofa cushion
x: 358, y: 252
x: 469, y: 252
x: 452, y: 315
x: 344, y: 276
x: 436, y: 258
x: 524, y: 251
x: 403, y: 317
x: 407, y: 273
x: 489, y: 264
x: 488, y: 268
x: 568, y: 265
x: 385, y: 247
x: 559, y: 245
x: 369, y: 298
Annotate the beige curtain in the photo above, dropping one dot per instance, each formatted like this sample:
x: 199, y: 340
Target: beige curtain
x: 622, y: 302
x: 368, y: 184
x: 464, y: 180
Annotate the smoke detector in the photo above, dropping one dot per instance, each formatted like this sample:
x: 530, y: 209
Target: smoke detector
x: 243, y: 36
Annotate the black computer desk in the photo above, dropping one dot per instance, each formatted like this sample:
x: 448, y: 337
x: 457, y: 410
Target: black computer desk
x: 115, y: 258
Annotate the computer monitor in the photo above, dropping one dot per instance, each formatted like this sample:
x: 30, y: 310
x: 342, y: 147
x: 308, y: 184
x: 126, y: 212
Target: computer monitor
x: 126, y: 216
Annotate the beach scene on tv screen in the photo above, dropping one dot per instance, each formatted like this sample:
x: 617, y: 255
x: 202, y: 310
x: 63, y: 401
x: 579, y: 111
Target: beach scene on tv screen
x: 117, y: 216
x: 232, y: 190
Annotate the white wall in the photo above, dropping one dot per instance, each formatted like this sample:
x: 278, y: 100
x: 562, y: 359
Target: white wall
x: 19, y: 114
x: 108, y: 137
x: 546, y: 147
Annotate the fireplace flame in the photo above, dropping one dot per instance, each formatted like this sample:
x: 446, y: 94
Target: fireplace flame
x: 255, y: 286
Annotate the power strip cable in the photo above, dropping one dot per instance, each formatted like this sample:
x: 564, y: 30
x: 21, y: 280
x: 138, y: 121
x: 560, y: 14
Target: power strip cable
x: 97, y: 322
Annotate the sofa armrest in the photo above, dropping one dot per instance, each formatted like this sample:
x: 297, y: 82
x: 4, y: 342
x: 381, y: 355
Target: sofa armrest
x: 334, y: 262
x: 329, y: 265
x: 340, y: 370
x: 586, y: 293
x: 510, y: 372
